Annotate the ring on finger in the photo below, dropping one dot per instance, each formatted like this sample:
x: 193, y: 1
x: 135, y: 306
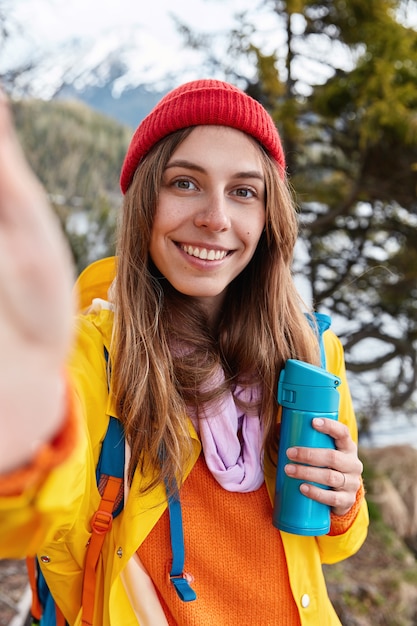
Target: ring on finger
x: 344, y: 480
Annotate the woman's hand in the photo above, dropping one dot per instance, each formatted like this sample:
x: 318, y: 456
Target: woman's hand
x: 339, y: 469
x: 35, y: 306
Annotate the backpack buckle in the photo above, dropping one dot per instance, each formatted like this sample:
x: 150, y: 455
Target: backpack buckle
x: 182, y: 586
x: 101, y: 522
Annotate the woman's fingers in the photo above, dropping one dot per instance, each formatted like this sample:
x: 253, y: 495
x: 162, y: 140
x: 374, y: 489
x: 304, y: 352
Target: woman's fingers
x: 35, y: 270
x: 338, y: 470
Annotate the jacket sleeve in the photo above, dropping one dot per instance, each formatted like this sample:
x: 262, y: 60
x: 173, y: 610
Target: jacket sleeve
x: 32, y: 498
x: 44, y: 499
x: 336, y: 547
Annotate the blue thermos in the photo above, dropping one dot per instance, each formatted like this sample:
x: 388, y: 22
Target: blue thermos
x: 304, y: 391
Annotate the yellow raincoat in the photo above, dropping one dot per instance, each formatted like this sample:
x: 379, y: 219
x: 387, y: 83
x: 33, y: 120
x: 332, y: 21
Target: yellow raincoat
x: 53, y: 519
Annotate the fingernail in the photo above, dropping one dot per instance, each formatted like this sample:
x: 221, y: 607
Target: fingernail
x: 318, y: 421
x: 292, y: 453
x: 289, y: 469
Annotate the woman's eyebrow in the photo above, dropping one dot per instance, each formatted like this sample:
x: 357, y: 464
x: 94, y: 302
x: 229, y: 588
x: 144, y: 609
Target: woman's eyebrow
x: 249, y: 174
x: 193, y: 166
x: 189, y: 165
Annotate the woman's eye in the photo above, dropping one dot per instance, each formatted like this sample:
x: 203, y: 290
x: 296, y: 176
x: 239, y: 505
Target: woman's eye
x: 244, y: 192
x: 185, y: 184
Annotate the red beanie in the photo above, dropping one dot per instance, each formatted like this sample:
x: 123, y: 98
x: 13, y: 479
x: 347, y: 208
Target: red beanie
x: 202, y: 102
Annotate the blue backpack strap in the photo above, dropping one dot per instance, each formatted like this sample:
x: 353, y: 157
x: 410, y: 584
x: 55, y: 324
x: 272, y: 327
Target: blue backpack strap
x: 112, y: 460
x: 320, y: 322
x: 111, y: 463
x: 177, y: 576
x: 112, y: 455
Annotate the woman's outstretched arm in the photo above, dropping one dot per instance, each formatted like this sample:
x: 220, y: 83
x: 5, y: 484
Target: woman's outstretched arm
x: 36, y: 307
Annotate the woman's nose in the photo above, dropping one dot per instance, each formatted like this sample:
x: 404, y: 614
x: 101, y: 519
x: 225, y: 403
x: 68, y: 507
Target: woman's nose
x: 214, y: 214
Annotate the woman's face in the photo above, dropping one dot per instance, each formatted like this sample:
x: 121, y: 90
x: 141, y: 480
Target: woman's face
x: 210, y: 213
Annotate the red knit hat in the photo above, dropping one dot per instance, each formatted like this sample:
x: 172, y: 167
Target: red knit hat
x: 202, y: 102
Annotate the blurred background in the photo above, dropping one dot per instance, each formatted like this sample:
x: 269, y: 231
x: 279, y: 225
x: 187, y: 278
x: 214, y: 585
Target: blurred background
x: 339, y: 78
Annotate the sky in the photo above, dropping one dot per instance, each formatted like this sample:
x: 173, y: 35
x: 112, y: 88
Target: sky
x: 56, y: 20
x: 48, y: 28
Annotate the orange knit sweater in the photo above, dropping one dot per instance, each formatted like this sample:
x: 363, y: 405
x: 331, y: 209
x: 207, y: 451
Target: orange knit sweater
x: 233, y: 553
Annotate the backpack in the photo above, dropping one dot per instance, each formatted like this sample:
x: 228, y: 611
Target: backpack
x: 110, y: 480
x: 109, y: 477
x: 110, y: 483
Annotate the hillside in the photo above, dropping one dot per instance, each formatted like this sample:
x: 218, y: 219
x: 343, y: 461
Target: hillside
x: 378, y: 585
x: 77, y: 153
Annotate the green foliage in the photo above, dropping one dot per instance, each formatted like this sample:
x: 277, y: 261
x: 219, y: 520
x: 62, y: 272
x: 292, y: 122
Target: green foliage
x: 350, y: 21
x: 368, y: 118
x: 379, y: 93
x: 77, y: 154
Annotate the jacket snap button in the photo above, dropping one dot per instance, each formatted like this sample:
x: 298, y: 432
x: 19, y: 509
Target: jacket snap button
x: 119, y: 552
x: 45, y: 559
x: 305, y: 600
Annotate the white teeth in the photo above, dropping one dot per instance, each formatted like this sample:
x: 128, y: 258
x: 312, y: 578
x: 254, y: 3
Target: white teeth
x: 204, y: 254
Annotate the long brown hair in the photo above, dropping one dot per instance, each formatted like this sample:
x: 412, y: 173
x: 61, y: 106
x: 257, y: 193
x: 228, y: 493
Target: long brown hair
x: 260, y: 326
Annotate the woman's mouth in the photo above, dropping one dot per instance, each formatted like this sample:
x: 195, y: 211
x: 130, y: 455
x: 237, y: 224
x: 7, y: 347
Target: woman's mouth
x: 206, y: 254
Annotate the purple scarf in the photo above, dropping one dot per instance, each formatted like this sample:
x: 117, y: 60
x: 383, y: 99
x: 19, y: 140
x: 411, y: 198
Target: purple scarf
x: 232, y: 440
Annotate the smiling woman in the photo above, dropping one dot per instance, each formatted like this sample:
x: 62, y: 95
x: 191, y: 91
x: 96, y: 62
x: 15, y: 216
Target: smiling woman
x: 180, y: 352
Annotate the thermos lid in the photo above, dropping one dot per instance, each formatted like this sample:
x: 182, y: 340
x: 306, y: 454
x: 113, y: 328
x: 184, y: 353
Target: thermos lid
x: 306, y: 387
